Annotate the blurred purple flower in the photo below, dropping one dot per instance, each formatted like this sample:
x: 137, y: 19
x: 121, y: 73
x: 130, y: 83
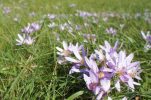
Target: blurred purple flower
x: 6, y: 10
x: 51, y: 16
x: 30, y: 28
x: 32, y: 14
x: 111, y: 31
x: 24, y: 40
x: 125, y: 69
x: 147, y: 37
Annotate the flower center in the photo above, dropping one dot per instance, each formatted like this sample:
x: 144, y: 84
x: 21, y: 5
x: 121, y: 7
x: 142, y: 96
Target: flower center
x: 66, y: 52
x: 82, y: 61
x: 101, y: 75
x: 119, y: 73
x: 132, y: 74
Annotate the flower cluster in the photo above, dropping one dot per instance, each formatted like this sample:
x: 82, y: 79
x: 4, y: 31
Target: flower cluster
x: 104, y: 70
x: 25, y: 37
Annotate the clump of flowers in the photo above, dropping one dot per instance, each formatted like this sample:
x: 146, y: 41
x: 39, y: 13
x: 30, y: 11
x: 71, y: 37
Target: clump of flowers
x: 25, y: 36
x: 103, y: 70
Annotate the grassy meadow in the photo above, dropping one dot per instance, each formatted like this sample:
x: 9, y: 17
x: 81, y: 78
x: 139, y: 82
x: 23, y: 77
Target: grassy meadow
x: 31, y: 72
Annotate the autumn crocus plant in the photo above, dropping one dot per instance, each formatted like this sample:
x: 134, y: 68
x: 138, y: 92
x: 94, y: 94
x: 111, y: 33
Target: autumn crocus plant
x: 104, y: 70
x: 24, y: 37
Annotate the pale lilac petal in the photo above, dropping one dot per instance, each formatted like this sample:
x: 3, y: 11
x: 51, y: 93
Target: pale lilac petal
x: 105, y: 83
x: 87, y: 80
x: 18, y: 41
x: 93, y: 77
x: 97, y: 90
x: 59, y: 49
x: 109, y: 98
x: 107, y: 44
x: 94, y: 66
x: 130, y: 83
x: 124, y: 98
x: 116, y: 45
x: 91, y: 64
x: 129, y: 58
x: 137, y: 77
x: 100, y: 54
x: 134, y: 64
x: 135, y: 83
x: 117, y: 86
x: 65, y: 46
x: 87, y: 62
x: 99, y: 97
x: 73, y: 70
x: 107, y: 69
x: 76, y: 53
x: 143, y: 34
x: 102, y: 47
x: 20, y: 37
x: 71, y: 59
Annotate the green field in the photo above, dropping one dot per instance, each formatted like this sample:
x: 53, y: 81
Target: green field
x: 31, y: 72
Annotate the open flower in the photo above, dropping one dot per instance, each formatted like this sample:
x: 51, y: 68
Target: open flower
x: 125, y: 70
x: 98, y: 80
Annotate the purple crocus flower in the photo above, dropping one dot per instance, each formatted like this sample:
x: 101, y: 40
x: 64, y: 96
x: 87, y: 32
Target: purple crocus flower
x: 111, y: 31
x: 98, y: 80
x: 24, y: 40
x: 125, y: 69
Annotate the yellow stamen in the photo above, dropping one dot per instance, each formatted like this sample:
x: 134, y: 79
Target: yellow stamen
x: 66, y: 52
x: 101, y: 75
